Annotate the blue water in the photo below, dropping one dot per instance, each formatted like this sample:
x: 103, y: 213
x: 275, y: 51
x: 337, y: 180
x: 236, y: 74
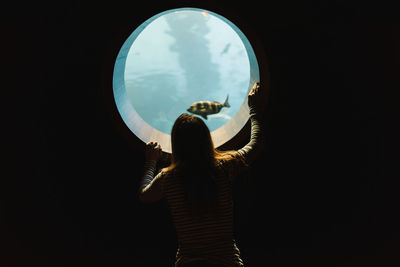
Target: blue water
x: 183, y: 57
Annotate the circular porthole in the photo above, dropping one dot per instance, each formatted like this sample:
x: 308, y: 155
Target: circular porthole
x: 184, y: 60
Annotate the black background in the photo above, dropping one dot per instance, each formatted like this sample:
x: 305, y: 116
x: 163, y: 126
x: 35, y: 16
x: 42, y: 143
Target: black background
x: 323, y: 193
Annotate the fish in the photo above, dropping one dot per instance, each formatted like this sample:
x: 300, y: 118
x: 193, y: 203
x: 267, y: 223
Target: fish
x: 205, y: 108
x: 226, y: 49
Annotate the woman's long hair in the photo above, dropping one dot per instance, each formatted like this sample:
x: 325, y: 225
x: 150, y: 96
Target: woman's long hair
x: 194, y: 159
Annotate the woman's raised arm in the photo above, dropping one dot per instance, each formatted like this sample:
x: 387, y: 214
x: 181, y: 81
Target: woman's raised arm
x: 251, y: 151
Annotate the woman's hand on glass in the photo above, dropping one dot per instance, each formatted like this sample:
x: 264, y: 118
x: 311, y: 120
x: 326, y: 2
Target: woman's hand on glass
x: 153, y: 151
x: 252, y: 101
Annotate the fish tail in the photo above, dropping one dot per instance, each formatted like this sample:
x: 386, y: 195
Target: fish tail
x: 226, y: 103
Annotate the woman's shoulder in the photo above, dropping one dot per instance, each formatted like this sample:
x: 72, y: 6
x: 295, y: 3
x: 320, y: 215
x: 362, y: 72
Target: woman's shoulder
x: 231, y: 161
x: 230, y: 157
x: 168, y: 172
x: 165, y: 171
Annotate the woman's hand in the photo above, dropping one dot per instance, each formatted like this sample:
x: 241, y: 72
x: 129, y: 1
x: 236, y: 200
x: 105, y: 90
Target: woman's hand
x: 153, y: 151
x: 252, y: 98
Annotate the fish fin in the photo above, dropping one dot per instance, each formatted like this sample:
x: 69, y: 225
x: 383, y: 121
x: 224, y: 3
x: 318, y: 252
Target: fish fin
x: 226, y: 103
x: 204, y: 116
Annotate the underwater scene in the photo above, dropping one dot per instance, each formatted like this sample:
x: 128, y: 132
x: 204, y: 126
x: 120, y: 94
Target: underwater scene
x: 187, y: 61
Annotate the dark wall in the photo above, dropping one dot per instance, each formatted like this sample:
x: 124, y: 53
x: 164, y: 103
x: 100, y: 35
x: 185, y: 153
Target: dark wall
x: 323, y: 193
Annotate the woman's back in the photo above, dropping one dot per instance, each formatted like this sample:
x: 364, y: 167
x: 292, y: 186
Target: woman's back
x: 210, y: 236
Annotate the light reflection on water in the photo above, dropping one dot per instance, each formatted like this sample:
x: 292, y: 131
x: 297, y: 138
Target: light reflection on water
x: 183, y: 57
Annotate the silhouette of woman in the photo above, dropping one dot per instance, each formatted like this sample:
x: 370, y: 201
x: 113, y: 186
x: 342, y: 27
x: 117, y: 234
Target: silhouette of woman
x: 198, y: 188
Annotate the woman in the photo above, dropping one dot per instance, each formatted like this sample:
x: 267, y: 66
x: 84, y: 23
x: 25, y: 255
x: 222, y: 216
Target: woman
x: 198, y: 188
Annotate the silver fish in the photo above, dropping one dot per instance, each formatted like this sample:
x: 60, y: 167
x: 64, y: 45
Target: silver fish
x: 205, y: 108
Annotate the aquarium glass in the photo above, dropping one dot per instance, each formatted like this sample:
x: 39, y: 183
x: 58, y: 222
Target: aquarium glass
x: 178, y: 58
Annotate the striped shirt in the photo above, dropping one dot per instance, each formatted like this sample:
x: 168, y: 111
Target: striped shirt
x: 210, y: 238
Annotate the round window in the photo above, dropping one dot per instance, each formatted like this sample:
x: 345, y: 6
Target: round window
x: 184, y: 60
